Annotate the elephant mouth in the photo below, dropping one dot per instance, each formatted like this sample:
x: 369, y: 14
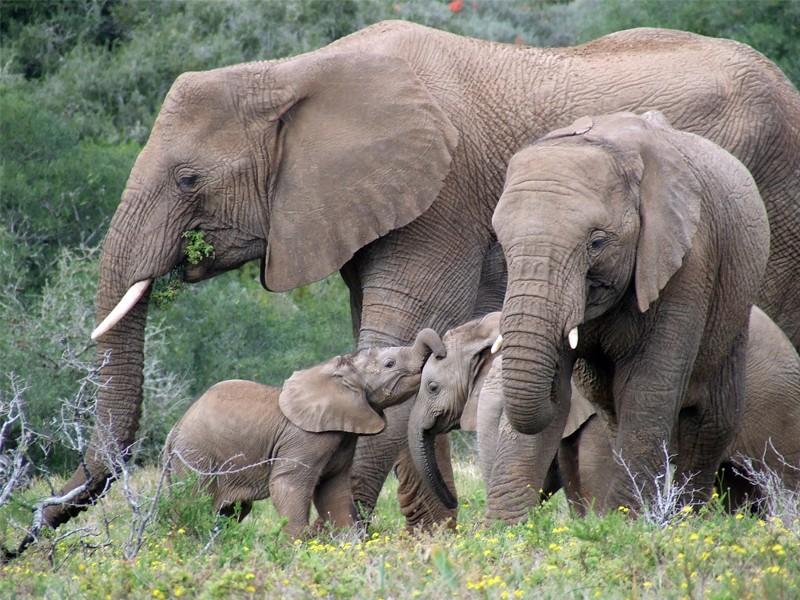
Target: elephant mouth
x: 192, y: 273
x: 403, y: 388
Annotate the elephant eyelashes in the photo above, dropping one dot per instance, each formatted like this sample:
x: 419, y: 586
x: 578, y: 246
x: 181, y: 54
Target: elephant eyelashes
x: 389, y: 363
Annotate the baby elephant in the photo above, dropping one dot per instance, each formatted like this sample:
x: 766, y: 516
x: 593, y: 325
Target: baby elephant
x: 463, y: 388
x: 249, y: 441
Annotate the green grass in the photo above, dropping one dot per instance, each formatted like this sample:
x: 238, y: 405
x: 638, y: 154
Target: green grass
x: 553, y: 554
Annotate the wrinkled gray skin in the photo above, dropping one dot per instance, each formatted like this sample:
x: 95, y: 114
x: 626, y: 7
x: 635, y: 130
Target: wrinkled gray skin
x: 652, y: 243
x: 294, y: 444
x: 769, y: 433
x: 412, y: 130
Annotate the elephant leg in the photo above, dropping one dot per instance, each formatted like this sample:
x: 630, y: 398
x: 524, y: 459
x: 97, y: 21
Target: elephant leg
x: 569, y: 468
x: 707, y: 429
x: 423, y: 275
x: 291, y: 487
x: 595, y: 461
x: 374, y: 457
x: 520, y: 468
x: 334, y: 502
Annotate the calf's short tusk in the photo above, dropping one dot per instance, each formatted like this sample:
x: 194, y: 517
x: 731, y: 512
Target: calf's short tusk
x: 498, y: 343
x: 128, y: 301
x: 573, y: 338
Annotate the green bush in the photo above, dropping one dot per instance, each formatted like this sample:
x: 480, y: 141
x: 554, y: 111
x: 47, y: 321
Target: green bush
x: 252, y: 334
x: 58, y: 191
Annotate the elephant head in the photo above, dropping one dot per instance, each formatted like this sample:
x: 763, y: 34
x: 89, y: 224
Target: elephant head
x: 297, y: 162
x: 593, y: 216
x: 349, y: 393
x: 450, y: 381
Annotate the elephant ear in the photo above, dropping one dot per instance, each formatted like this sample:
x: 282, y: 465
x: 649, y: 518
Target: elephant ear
x: 474, y: 340
x: 670, y: 195
x: 329, y: 397
x: 364, y: 149
x: 469, y: 417
x: 670, y: 198
x: 580, y: 411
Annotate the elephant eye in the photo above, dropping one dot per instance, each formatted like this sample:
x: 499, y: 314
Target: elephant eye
x: 597, y: 241
x: 389, y: 363
x: 187, y: 182
x: 433, y: 387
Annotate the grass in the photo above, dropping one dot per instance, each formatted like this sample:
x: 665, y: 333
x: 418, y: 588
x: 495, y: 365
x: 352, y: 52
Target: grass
x: 553, y: 554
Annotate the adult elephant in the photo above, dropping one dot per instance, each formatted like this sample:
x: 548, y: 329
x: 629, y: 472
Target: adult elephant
x: 638, y: 249
x: 383, y: 155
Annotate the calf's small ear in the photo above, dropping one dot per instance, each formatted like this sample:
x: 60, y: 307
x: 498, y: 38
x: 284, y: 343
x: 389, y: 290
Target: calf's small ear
x: 329, y: 397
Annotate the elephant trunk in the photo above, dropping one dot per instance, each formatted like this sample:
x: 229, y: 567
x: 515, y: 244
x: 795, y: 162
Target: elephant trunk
x: 428, y: 342
x: 120, y: 353
x: 422, y: 439
x: 537, y: 332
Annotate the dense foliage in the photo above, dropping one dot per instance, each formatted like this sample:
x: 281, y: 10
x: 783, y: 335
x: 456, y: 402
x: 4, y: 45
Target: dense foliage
x: 80, y: 84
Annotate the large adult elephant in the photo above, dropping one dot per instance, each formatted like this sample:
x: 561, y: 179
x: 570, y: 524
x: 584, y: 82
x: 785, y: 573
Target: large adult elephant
x: 383, y: 155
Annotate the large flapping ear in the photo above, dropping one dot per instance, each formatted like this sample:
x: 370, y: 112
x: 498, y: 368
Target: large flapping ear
x: 580, y: 411
x: 329, y: 397
x: 364, y: 149
x: 669, y: 195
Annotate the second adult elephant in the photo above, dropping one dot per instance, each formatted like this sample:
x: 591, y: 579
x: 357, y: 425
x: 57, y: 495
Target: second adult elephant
x: 637, y: 249
x: 382, y: 155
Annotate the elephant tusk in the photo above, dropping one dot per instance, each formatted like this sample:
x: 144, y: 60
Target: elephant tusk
x: 128, y: 301
x: 573, y: 338
x: 498, y: 343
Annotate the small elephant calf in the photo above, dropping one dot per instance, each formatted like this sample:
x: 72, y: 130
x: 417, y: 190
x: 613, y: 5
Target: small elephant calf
x: 249, y: 441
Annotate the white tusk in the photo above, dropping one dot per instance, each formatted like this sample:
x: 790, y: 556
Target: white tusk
x: 128, y: 301
x: 498, y: 343
x: 573, y: 338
